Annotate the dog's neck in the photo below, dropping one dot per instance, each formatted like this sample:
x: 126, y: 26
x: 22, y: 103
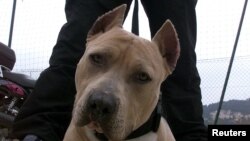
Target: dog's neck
x: 151, y: 125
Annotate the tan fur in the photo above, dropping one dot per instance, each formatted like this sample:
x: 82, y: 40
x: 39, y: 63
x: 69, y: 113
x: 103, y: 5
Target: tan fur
x: 123, y: 57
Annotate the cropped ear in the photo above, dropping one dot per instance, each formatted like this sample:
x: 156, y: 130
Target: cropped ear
x: 107, y: 21
x: 167, y: 41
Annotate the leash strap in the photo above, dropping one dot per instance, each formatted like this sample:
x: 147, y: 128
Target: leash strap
x: 151, y: 125
x: 135, y: 19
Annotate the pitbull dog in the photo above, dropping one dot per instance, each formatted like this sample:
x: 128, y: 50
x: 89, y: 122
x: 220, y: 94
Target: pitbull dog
x: 118, y: 83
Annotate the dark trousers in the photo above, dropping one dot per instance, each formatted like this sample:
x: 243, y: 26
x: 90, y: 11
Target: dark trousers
x: 47, y: 111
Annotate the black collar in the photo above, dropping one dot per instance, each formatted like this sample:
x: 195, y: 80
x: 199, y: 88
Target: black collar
x: 152, y: 124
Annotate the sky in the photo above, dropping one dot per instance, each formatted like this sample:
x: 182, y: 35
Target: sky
x: 38, y: 23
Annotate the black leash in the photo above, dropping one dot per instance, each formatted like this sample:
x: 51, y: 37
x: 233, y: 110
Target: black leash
x: 135, y: 19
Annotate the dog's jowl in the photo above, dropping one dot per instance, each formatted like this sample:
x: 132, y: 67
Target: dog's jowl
x: 118, y: 83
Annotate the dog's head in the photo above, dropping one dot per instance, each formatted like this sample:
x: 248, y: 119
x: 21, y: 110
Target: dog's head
x: 118, y: 78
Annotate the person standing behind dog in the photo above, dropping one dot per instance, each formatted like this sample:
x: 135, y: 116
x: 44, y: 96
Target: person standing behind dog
x: 47, y: 112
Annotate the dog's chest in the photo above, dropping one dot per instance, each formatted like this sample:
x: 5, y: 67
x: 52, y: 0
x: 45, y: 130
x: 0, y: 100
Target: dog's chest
x: 148, y: 137
x: 151, y: 136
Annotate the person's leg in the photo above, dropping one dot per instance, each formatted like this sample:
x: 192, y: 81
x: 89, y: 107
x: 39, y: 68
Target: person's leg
x: 47, y: 111
x: 181, y: 94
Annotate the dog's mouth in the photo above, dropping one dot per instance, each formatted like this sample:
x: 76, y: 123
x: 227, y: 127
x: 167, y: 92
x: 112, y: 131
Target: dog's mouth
x: 93, y: 125
x: 99, y: 128
x: 85, y: 119
x: 103, y: 131
x: 105, y: 128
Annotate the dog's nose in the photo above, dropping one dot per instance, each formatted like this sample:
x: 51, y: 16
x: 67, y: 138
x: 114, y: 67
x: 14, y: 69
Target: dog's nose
x: 101, y: 105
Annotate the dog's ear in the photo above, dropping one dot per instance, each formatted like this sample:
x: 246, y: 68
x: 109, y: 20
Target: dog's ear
x: 107, y: 21
x: 167, y: 41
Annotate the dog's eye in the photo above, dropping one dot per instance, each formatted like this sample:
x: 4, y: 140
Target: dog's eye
x: 97, y: 59
x: 142, y: 77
